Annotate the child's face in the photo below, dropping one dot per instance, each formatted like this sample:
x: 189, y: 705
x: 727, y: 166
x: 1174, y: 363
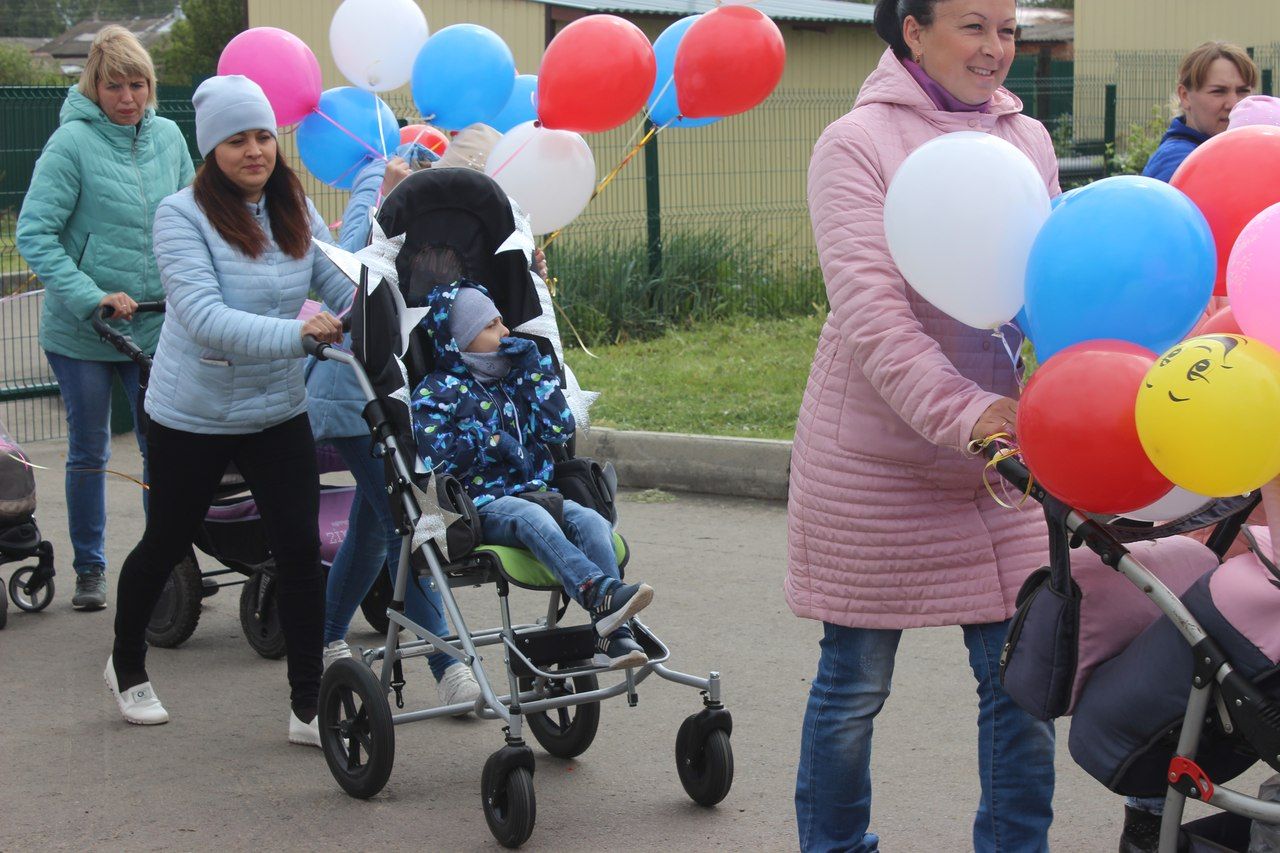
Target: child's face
x: 490, y: 337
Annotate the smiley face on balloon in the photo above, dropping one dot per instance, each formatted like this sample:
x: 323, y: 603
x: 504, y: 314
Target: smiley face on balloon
x: 1206, y: 414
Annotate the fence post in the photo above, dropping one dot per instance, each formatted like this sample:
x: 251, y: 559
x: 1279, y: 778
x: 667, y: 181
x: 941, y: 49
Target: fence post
x: 652, y: 203
x: 1109, y: 127
x: 1266, y: 81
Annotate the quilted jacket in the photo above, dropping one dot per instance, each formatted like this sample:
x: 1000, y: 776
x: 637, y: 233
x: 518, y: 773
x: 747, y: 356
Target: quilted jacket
x: 493, y: 437
x: 889, y: 525
x: 230, y: 353
x: 85, y: 225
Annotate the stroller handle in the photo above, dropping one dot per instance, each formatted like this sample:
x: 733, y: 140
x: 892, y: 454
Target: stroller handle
x: 314, y: 347
x: 122, y: 343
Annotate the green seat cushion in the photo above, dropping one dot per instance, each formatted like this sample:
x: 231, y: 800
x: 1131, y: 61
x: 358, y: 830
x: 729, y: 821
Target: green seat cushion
x: 523, y: 569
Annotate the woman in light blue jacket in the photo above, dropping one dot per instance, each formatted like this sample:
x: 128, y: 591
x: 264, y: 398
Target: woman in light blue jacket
x: 237, y: 261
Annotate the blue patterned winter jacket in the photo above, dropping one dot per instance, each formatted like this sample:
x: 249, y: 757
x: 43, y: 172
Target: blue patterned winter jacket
x: 493, y: 437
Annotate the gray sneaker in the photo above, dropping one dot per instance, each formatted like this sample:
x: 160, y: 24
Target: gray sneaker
x: 91, y: 590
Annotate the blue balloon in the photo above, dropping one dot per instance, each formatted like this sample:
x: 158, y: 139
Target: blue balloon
x: 1061, y: 199
x: 329, y: 151
x: 463, y: 74
x: 520, y: 107
x: 1128, y: 258
x: 663, y: 108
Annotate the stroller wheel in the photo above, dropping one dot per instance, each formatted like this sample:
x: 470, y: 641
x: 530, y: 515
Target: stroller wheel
x: 28, y: 591
x: 374, y: 606
x: 4, y: 606
x: 565, y: 732
x: 259, y: 618
x: 509, y: 805
x: 705, y: 765
x: 176, y: 613
x: 356, y: 731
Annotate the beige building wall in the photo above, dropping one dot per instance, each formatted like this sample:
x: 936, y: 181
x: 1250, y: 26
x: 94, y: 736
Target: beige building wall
x: 1124, y: 25
x: 743, y: 177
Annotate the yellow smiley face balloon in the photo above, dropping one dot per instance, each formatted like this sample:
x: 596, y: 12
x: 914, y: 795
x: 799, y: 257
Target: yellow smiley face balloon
x: 1208, y: 412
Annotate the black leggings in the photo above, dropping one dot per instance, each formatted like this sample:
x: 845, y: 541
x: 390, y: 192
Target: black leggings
x: 279, y: 466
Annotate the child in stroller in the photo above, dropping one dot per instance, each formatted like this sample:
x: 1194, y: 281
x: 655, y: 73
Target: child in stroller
x: 488, y: 415
x: 30, y: 587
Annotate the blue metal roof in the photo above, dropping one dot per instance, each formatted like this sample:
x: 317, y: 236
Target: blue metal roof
x: 839, y: 11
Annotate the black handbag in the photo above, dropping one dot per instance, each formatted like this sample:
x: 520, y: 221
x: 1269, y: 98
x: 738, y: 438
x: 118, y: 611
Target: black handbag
x: 463, y: 533
x: 1038, y: 661
x: 586, y: 482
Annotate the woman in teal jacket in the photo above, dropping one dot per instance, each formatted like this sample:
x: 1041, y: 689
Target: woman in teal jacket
x: 85, y: 231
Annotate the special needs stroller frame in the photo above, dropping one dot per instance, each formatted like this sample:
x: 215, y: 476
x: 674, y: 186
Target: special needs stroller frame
x: 1222, y: 701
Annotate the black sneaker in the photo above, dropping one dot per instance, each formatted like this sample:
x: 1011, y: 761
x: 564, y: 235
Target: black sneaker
x: 619, y: 603
x: 1142, y: 832
x: 619, y: 651
x: 91, y: 590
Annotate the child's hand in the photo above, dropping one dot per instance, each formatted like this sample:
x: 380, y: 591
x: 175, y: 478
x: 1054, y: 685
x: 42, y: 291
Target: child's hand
x: 506, y: 447
x: 521, y: 351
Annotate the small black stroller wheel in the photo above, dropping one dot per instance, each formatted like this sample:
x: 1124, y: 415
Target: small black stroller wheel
x: 374, y: 606
x: 706, y: 766
x: 177, y: 612
x: 356, y: 732
x: 565, y: 732
x: 259, y: 618
x: 509, y: 806
x: 4, y: 606
x: 29, y: 594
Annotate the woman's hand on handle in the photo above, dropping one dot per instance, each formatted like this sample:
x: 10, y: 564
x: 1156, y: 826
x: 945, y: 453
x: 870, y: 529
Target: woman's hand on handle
x: 122, y: 305
x: 324, y: 327
x: 1000, y: 416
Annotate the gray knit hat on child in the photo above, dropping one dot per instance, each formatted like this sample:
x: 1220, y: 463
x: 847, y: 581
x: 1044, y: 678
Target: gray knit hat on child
x: 227, y: 105
x: 471, y: 312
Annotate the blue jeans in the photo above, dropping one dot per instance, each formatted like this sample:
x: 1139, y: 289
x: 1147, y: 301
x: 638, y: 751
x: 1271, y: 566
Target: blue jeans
x: 833, y: 786
x: 580, y: 555
x: 371, y: 542
x: 86, y: 392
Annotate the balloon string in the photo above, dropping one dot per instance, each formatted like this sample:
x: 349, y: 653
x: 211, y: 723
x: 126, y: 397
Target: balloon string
x: 582, y: 346
x: 608, y: 179
x: 507, y: 162
x: 377, y: 110
x: 1013, y: 359
x: 1007, y: 450
x: 366, y: 146
x: 22, y: 461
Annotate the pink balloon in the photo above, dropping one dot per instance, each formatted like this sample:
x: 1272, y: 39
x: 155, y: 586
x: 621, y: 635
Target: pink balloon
x: 282, y: 64
x: 1253, y: 277
x: 1256, y: 109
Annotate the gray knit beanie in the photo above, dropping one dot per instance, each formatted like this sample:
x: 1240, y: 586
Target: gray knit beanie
x: 227, y: 105
x: 471, y: 312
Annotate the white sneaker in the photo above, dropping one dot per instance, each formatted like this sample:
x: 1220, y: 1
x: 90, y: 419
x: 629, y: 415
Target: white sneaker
x: 140, y: 705
x: 337, y: 650
x: 458, y: 685
x: 304, y: 734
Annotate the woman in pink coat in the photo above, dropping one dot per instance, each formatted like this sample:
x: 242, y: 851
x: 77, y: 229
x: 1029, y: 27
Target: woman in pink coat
x: 890, y: 526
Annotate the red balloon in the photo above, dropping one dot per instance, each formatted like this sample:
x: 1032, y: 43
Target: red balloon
x: 728, y: 61
x: 1221, y: 323
x: 1232, y: 178
x: 1077, y: 430
x: 595, y: 75
x: 425, y: 135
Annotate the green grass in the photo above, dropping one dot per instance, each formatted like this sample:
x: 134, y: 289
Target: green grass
x: 738, y: 377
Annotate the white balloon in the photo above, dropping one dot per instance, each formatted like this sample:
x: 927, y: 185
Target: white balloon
x: 550, y: 173
x: 374, y: 42
x: 960, y: 217
x: 1178, y: 503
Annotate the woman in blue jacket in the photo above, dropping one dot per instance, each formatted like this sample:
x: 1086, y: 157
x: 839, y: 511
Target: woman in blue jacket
x: 1212, y: 79
x: 85, y: 231
x: 236, y: 257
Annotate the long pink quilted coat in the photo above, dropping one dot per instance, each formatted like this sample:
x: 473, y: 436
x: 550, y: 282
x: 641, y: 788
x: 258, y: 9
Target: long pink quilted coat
x: 889, y: 524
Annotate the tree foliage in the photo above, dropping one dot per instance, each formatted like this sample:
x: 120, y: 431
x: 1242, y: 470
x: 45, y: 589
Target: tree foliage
x: 192, y: 48
x: 20, y: 68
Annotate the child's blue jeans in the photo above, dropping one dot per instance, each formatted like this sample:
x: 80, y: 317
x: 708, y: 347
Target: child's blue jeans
x: 581, y: 558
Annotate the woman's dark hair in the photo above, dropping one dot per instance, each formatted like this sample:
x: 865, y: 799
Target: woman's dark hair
x: 223, y: 202
x: 889, y: 17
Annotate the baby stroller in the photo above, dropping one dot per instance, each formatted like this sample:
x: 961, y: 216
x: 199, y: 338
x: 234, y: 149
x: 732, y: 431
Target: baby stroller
x: 551, y: 685
x: 30, y: 587
x: 233, y: 534
x: 1187, y: 705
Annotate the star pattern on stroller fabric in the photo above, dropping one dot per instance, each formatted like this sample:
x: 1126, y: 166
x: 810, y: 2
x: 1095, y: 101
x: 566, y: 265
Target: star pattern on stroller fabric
x: 434, y: 522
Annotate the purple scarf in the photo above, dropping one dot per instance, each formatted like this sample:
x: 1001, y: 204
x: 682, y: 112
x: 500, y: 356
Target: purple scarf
x: 942, y: 99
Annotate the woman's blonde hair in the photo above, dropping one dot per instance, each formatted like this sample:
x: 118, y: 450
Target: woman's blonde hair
x: 1194, y: 67
x: 116, y: 54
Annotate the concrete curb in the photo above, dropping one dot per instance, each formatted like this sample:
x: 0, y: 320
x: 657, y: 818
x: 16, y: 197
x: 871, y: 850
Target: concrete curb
x: 717, y: 465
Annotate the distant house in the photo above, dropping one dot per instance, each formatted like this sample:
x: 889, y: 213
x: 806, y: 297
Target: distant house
x: 71, y: 49
x: 1047, y: 33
